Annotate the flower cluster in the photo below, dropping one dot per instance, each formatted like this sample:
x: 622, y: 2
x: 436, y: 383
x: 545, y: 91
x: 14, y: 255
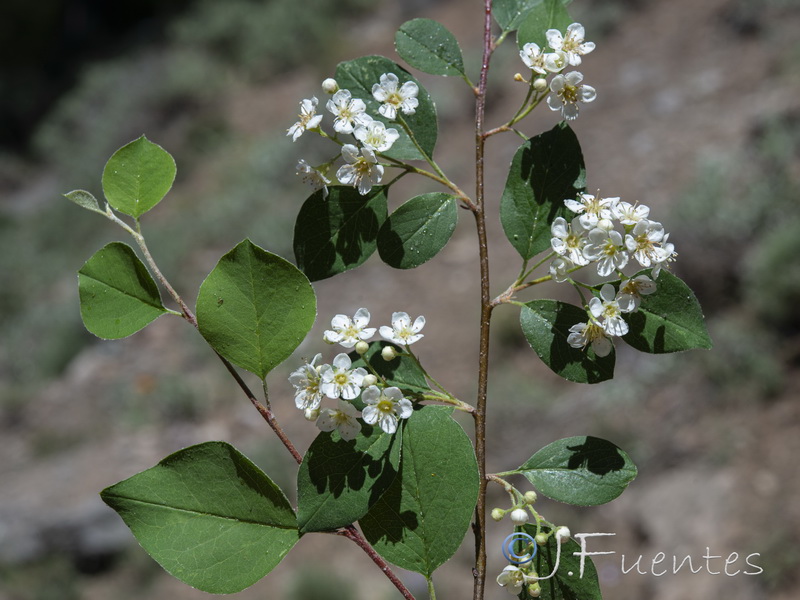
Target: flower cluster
x: 350, y: 117
x: 610, y: 234
x: 385, y: 405
x: 566, y: 90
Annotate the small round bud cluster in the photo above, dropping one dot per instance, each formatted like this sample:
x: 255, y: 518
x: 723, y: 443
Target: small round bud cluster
x: 563, y: 534
x: 540, y: 84
x: 530, y: 497
x: 541, y: 538
x: 498, y: 514
x: 362, y: 347
x: 389, y: 353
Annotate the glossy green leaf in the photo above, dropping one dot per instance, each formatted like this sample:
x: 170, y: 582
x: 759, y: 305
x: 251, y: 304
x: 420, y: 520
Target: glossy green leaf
x: 361, y: 74
x: 546, y: 324
x: 84, y: 199
x: 418, y: 230
x: 138, y: 176
x: 429, y: 46
x: 339, y: 233
x: 419, y: 523
x: 118, y: 295
x: 547, y: 14
x: 401, y: 372
x: 254, y: 308
x: 545, y: 171
x: 670, y: 320
x: 209, y: 516
x: 582, y: 470
x: 568, y: 582
x: 340, y: 480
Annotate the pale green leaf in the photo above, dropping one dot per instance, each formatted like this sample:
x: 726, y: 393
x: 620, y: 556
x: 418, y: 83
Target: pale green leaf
x: 418, y: 230
x: 118, y: 295
x: 138, y: 176
x: 255, y: 308
x: 420, y: 522
x: 429, y: 47
x: 209, y: 516
x: 582, y: 470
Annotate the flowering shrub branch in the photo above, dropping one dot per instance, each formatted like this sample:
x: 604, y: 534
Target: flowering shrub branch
x: 388, y: 455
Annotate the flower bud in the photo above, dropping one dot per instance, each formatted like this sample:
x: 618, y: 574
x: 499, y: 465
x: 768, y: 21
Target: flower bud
x: 530, y: 497
x: 311, y: 414
x: 541, y: 538
x: 534, y: 590
x: 369, y: 380
x: 540, y: 85
x: 562, y: 534
x: 498, y: 514
x: 518, y: 77
x: 388, y: 353
x: 362, y: 347
x: 519, y: 516
x: 330, y: 86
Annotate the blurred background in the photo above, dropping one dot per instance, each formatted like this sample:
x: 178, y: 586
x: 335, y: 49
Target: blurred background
x: 697, y: 116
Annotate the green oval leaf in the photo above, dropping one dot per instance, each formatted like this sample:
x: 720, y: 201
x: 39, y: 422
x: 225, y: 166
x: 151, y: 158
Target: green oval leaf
x: 340, y: 480
x: 568, y: 582
x: 545, y: 171
x: 546, y: 324
x: 361, y: 74
x: 84, y: 199
x: 401, y: 372
x: 339, y: 233
x: 419, y: 523
x: 254, y: 308
x: 418, y: 230
x: 118, y: 295
x: 670, y: 320
x: 586, y: 471
x: 547, y: 14
x: 209, y: 516
x: 138, y: 176
x: 430, y: 47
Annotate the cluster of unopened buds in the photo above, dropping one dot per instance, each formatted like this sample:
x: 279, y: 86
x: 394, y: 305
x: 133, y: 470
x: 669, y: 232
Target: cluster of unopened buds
x: 566, y: 89
x: 610, y: 234
x: 521, y: 572
x: 361, y: 169
x: 384, y: 405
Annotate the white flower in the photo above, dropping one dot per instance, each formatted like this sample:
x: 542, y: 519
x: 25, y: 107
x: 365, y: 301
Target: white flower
x: 583, y: 334
x: 631, y: 291
x: 339, y: 380
x: 542, y: 63
x: 559, y: 269
x: 348, y: 332
x: 402, y: 332
x: 308, y: 120
x: 344, y: 419
x: 607, y: 310
x: 348, y: 111
x: 648, y: 244
x: 385, y: 407
x: 566, y: 93
x: 606, y: 247
x: 572, y: 43
x: 394, y: 99
x: 374, y: 135
x: 361, y: 172
x: 630, y: 214
x: 313, y: 177
x: 512, y: 578
x: 591, y: 208
x: 306, y: 381
x: 568, y: 240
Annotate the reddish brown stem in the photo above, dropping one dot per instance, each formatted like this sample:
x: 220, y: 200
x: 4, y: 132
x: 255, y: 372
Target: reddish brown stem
x: 479, y: 527
x: 351, y: 533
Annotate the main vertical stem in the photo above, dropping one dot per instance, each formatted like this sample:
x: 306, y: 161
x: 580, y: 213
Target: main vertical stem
x: 486, y: 310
